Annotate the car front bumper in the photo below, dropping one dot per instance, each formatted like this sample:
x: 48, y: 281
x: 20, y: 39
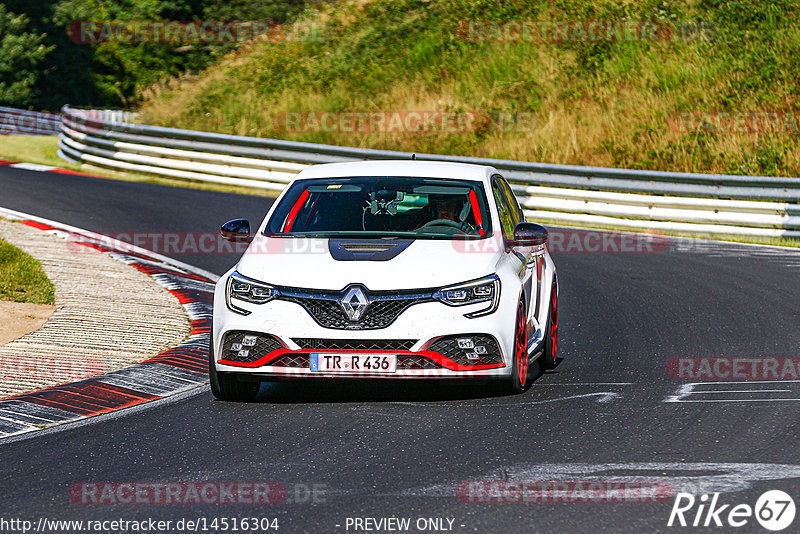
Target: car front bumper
x: 420, y: 327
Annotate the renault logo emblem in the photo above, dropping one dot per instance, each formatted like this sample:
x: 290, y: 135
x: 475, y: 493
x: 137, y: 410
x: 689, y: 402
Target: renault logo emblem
x: 354, y: 303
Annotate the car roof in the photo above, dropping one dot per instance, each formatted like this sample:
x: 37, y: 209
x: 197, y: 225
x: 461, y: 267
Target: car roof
x: 415, y: 168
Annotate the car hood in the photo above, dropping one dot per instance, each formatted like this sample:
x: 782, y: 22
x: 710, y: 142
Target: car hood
x: 423, y: 263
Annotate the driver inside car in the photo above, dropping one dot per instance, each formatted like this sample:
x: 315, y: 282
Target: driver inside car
x: 449, y: 208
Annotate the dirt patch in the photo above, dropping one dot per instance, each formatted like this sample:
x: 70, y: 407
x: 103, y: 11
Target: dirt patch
x: 20, y: 318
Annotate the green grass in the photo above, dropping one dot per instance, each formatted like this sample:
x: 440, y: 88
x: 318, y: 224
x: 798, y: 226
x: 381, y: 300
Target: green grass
x: 32, y: 149
x: 607, y: 103
x: 22, y: 278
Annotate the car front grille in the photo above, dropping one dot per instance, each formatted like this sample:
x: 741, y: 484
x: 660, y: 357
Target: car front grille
x: 416, y: 362
x: 449, y: 348
x: 354, y: 344
x: 403, y: 362
x: 235, y: 349
x: 291, y: 360
x: 383, y: 308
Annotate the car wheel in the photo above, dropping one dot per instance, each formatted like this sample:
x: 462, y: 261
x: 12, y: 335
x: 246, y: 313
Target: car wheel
x: 550, y: 352
x: 226, y: 387
x: 520, y: 377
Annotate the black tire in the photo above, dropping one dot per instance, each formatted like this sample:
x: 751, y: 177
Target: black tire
x: 226, y: 386
x: 520, y: 379
x: 550, y: 349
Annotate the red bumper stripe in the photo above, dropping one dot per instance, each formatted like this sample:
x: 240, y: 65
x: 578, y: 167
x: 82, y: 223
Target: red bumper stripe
x: 443, y: 361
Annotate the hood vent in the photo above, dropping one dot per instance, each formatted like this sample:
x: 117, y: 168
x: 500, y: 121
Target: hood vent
x: 367, y: 249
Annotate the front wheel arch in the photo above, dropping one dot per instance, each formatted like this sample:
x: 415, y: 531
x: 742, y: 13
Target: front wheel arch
x: 549, y: 355
x: 520, y: 379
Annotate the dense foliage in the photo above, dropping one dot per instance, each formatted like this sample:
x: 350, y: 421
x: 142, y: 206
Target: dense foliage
x: 21, y: 53
x: 42, y: 68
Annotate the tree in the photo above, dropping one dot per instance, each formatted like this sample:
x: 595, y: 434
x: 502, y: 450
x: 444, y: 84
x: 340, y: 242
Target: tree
x: 21, y: 53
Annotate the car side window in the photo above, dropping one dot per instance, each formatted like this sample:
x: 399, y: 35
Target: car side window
x: 507, y: 217
x: 516, y: 210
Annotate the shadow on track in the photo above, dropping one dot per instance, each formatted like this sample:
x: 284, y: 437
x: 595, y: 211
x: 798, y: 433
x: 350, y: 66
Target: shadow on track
x: 384, y: 390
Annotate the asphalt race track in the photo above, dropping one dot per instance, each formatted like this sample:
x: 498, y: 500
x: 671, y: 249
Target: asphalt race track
x: 609, y: 411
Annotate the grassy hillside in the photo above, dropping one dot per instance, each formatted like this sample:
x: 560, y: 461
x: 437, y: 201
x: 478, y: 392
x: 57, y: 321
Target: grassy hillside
x: 608, y: 102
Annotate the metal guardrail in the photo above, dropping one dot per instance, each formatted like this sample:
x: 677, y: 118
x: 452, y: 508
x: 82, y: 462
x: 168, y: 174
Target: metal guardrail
x: 20, y: 121
x: 668, y: 201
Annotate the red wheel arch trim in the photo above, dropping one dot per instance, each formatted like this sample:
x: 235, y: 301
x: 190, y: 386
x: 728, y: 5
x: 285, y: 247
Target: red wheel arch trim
x: 554, y: 324
x: 521, y: 344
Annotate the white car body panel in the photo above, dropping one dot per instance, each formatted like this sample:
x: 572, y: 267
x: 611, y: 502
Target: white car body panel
x: 307, y: 263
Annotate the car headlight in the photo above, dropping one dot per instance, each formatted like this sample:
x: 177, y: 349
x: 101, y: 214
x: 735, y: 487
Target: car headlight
x: 242, y: 288
x: 484, y: 290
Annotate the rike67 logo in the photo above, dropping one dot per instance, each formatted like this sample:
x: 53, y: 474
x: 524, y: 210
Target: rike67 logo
x: 774, y: 510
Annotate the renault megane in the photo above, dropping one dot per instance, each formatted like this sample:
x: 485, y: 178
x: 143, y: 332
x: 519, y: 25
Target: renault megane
x: 388, y: 269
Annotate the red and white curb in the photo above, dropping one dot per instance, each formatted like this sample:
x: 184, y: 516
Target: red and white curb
x: 42, y: 168
x: 173, y: 371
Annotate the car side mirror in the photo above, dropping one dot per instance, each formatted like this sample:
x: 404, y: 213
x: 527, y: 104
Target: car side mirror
x: 237, y: 231
x: 528, y: 234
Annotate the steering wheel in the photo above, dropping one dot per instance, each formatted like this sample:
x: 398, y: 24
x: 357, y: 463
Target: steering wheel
x: 442, y: 222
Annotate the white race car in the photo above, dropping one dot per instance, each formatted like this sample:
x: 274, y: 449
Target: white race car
x: 387, y: 269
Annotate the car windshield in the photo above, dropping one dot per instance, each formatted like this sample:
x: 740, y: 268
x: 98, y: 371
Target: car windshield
x: 383, y: 206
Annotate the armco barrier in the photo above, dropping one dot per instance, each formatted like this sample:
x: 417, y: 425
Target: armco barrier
x: 20, y: 121
x: 666, y: 201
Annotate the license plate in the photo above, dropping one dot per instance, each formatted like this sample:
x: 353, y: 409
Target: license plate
x: 353, y: 363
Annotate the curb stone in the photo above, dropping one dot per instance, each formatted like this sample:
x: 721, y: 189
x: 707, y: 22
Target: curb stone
x: 172, y: 371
